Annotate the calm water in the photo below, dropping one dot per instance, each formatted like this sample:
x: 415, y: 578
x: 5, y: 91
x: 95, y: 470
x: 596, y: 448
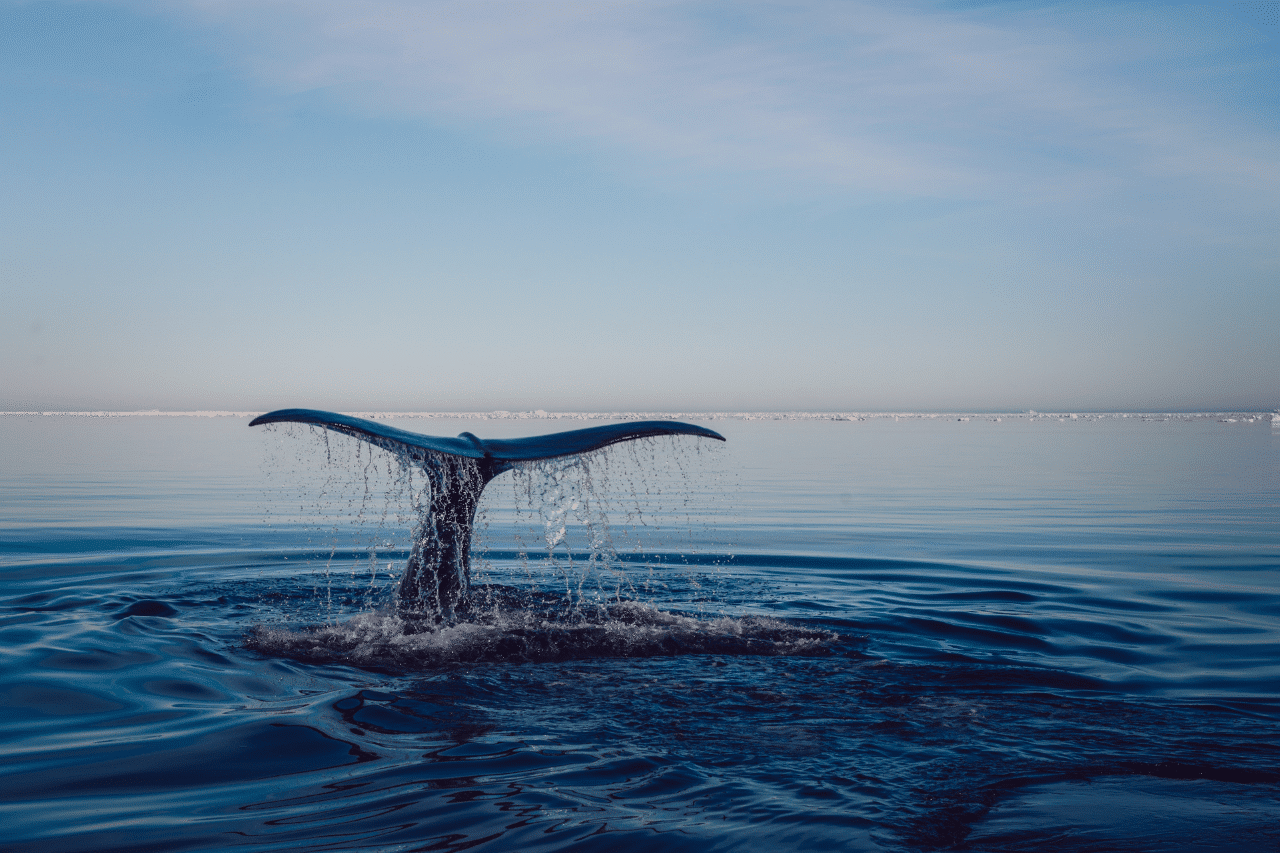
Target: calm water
x: 925, y: 634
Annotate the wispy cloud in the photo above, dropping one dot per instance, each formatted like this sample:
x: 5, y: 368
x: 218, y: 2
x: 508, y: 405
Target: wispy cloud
x: 900, y: 99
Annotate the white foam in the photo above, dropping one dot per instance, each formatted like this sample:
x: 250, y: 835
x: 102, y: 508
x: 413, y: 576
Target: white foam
x: 625, y: 629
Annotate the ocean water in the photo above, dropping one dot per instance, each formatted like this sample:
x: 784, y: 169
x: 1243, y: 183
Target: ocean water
x: 897, y: 634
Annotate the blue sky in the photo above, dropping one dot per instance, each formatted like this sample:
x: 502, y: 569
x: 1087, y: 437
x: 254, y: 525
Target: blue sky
x: 639, y: 206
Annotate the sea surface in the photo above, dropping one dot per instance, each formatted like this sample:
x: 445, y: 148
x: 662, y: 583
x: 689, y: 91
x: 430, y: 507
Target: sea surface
x: 881, y: 633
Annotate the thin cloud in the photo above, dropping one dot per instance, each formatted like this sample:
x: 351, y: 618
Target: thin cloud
x: 886, y: 100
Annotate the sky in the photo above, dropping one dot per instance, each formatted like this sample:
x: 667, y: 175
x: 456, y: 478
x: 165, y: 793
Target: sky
x: 639, y: 206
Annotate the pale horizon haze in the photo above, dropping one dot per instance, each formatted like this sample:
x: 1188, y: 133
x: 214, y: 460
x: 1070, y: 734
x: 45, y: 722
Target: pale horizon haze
x: 639, y: 206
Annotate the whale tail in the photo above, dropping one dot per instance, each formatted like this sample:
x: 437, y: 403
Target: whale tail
x: 437, y: 576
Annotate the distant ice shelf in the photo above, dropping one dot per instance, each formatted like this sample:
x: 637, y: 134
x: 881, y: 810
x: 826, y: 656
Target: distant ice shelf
x: 963, y: 417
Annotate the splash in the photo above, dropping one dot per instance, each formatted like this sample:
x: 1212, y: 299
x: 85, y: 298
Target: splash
x: 574, y: 556
x: 533, y: 629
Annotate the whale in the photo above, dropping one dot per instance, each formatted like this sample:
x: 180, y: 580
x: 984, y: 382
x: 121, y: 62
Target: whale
x: 437, y: 576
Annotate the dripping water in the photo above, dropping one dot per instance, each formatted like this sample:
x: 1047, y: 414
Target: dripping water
x: 613, y: 552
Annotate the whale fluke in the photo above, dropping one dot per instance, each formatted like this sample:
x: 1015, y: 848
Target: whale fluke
x: 468, y: 446
x: 437, y: 577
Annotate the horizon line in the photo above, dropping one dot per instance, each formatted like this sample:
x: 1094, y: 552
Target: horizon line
x: 797, y: 414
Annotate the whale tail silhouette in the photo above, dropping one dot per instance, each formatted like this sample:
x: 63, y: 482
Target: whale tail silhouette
x: 437, y: 576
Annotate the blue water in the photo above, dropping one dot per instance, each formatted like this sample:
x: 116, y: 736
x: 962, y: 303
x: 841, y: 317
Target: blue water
x: 902, y: 635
